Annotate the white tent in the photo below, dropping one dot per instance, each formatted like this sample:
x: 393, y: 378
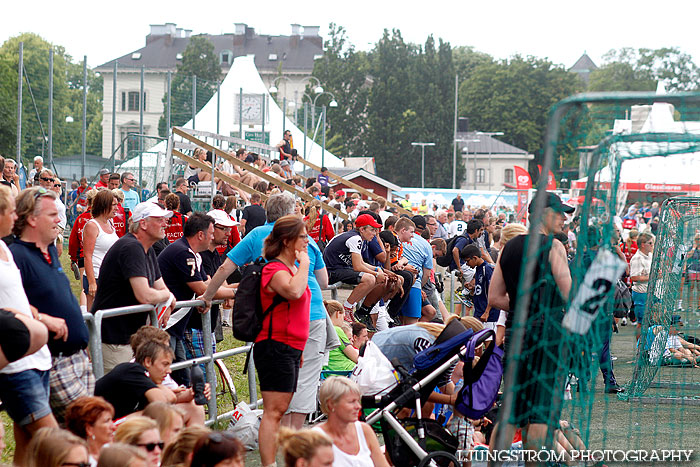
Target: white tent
x: 242, y: 75
x: 651, y: 173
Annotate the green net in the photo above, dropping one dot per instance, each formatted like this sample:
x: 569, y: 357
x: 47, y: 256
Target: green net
x: 561, y: 380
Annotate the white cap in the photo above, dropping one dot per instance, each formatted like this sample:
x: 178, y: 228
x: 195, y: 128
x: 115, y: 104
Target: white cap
x: 149, y: 209
x: 221, y: 218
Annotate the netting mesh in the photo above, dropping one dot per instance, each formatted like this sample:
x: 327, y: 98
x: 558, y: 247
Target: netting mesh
x: 636, y: 147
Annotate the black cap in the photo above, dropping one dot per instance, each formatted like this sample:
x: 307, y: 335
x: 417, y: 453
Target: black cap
x: 552, y: 201
x: 419, y: 221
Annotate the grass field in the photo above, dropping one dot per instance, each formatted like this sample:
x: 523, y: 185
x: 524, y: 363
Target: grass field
x: 613, y: 424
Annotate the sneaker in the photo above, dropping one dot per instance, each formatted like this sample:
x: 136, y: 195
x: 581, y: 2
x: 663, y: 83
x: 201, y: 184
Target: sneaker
x: 623, y: 322
x: 226, y: 324
x: 366, y: 320
x: 614, y: 389
x: 349, y: 315
x: 613, y: 358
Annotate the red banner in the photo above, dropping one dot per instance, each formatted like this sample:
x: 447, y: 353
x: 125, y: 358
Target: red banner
x: 551, y: 182
x: 523, y: 182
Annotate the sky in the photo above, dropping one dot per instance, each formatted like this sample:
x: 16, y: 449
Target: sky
x: 558, y: 30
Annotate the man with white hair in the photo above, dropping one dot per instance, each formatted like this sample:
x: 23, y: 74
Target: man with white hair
x: 130, y: 276
x: 441, y: 232
x: 38, y: 167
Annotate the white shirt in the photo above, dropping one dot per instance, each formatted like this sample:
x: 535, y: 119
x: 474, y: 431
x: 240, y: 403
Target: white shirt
x: 640, y: 265
x: 12, y: 296
x: 61, y: 213
x: 457, y: 228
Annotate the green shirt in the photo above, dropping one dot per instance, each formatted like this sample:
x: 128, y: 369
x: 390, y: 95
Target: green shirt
x: 337, y: 360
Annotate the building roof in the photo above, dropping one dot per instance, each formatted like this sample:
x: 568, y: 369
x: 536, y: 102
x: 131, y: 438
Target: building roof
x: 584, y: 64
x: 486, y: 145
x: 294, y: 53
x: 349, y: 173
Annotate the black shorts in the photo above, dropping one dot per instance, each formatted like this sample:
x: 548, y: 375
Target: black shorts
x: 14, y: 336
x: 346, y: 276
x: 277, y: 365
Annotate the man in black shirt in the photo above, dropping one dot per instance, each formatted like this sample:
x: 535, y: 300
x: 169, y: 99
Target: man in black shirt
x: 181, y: 189
x: 130, y: 276
x: 253, y: 215
x: 131, y: 386
x: 458, y: 203
x: 539, y: 382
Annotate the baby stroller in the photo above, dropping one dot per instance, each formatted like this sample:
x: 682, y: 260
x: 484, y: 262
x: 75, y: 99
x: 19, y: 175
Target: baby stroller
x: 418, y: 441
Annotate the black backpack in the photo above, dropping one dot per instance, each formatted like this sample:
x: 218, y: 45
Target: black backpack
x: 446, y: 259
x: 247, y: 314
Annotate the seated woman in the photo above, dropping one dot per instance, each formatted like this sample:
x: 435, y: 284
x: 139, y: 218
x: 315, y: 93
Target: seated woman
x: 360, y: 336
x: 343, y: 358
x: 194, y: 175
x: 90, y: 418
x: 305, y: 448
x: 169, y: 418
x: 143, y: 433
x: 54, y: 447
x: 179, y: 452
x: 679, y: 350
x: 121, y: 455
x: 354, y: 442
x: 218, y: 449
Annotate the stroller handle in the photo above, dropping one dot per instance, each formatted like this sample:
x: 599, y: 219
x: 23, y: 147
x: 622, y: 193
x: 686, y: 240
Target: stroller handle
x: 399, y: 367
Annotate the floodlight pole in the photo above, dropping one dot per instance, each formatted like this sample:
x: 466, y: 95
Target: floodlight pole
x: 422, y: 161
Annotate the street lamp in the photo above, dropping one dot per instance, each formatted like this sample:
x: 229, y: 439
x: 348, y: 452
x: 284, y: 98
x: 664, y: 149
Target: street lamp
x: 422, y: 161
x: 466, y: 142
x: 490, y: 133
x: 273, y: 89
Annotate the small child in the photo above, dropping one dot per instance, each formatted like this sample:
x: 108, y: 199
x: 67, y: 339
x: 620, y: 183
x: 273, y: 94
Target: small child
x: 493, y: 318
x: 679, y: 349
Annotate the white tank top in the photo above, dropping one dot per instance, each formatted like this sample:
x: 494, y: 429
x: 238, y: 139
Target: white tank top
x: 363, y: 458
x: 103, y: 242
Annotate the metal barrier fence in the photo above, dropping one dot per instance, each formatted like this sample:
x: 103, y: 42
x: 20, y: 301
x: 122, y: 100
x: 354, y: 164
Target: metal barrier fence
x: 94, y: 324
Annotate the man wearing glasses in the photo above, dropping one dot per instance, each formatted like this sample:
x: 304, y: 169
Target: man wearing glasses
x: 131, y: 197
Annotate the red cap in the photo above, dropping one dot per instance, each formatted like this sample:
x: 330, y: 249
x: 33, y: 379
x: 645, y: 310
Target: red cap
x: 340, y: 193
x: 366, y: 219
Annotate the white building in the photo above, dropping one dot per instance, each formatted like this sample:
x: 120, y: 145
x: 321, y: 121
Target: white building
x: 285, y: 61
x: 489, y: 162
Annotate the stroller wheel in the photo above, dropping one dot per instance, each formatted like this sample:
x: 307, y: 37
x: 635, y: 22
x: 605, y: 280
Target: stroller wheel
x: 440, y: 458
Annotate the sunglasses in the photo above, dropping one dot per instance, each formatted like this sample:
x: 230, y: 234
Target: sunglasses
x: 56, y: 185
x: 47, y: 179
x: 219, y: 227
x: 150, y: 447
x: 77, y: 464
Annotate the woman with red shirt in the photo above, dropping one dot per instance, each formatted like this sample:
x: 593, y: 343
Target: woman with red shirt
x: 285, y: 330
x: 314, y: 221
x: 176, y: 224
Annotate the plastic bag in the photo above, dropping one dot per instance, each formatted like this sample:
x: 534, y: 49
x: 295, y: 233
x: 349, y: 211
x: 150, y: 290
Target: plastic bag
x: 374, y: 373
x: 245, y: 424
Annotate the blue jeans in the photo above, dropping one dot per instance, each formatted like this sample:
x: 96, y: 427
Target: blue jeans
x: 640, y: 303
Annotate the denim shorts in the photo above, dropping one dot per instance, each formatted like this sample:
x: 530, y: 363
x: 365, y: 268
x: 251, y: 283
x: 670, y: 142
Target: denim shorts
x: 640, y: 303
x: 25, y: 395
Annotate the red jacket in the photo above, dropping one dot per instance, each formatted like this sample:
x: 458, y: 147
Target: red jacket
x: 175, y: 227
x: 75, y: 242
x: 233, y: 239
x: 121, y: 220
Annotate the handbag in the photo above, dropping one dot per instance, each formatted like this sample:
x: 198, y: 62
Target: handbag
x: 374, y: 373
x: 482, y: 382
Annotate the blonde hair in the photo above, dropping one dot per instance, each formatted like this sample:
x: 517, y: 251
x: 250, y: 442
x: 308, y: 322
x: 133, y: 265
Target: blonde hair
x: 311, y: 210
x: 333, y: 306
x: 119, y: 194
x: 176, y: 452
x: 469, y: 322
x: 120, y: 455
x: 512, y: 230
x: 132, y: 428
x: 301, y: 444
x: 164, y: 414
x: 334, y: 388
x: 49, y: 447
x: 6, y: 199
x: 28, y: 205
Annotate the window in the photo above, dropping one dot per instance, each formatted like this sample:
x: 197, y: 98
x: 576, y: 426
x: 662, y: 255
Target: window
x: 130, y: 101
x: 480, y: 175
x: 225, y: 57
x: 131, y: 144
x: 508, y: 176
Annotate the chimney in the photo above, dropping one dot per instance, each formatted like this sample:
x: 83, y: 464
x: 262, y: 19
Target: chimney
x: 311, y: 35
x: 249, y: 33
x: 188, y: 33
x: 294, y: 38
x: 168, y: 30
x: 239, y: 34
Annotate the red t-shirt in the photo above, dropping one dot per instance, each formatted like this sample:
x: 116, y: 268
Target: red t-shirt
x: 233, y: 239
x: 75, y: 241
x: 328, y: 232
x: 120, y: 221
x: 290, y: 320
x: 176, y: 224
x: 100, y: 184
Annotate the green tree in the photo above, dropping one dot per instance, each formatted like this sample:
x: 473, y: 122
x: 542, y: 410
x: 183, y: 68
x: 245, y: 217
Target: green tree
x: 514, y: 96
x: 344, y: 72
x: 198, y: 60
x: 67, y: 100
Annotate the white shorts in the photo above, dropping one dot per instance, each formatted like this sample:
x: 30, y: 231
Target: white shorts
x: 304, y: 399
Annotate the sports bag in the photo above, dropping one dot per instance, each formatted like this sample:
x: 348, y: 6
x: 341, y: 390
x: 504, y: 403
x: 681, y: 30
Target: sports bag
x: 248, y: 315
x: 446, y: 259
x: 481, y: 382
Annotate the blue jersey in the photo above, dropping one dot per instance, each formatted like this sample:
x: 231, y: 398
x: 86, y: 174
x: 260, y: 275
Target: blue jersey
x: 482, y: 279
